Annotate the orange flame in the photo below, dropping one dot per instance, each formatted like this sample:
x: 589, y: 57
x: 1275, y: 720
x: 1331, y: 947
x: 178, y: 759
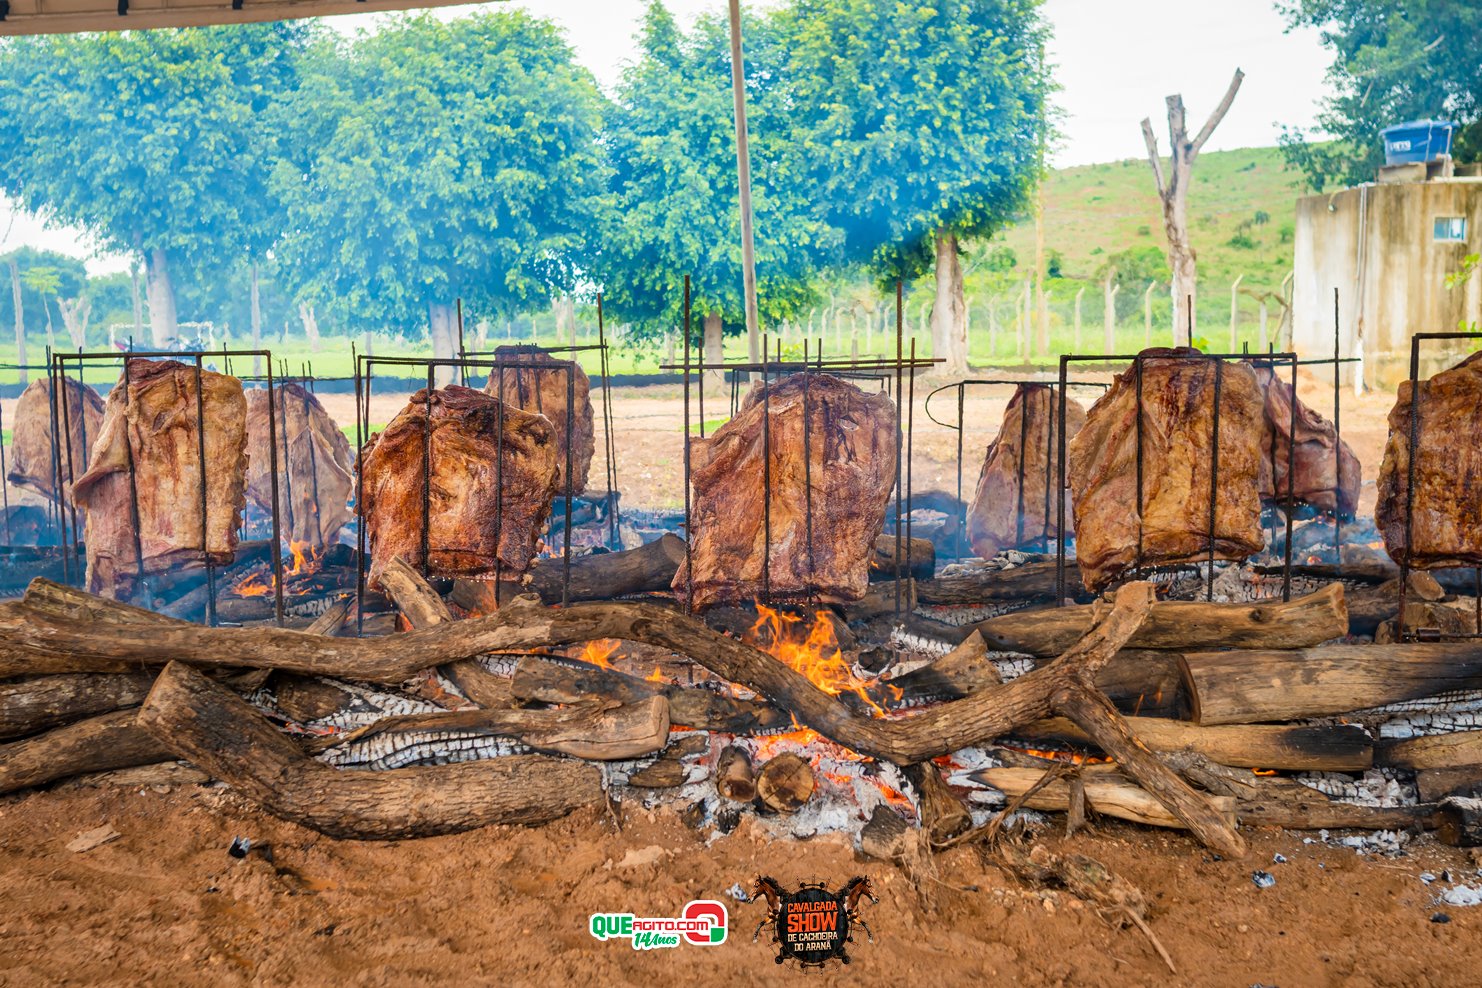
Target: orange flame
x: 252, y: 586
x: 657, y: 676
x: 1071, y: 757
x: 600, y: 652
x: 1263, y: 771
x: 813, y: 651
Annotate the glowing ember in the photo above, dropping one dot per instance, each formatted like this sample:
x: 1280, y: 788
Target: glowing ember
x: 1263, y: 771
x: 657, y: 676
x: 1069, y: 757
x: 813, y: 651
x: 259, y: 583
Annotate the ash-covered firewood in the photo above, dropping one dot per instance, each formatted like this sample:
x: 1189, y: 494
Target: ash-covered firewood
x: 1171, y: 525
x: 148, y: 451
x: 220, y: 734
x: 537, y: 383
x: 315, y: 469
x: 1017, y: 499
x: 33, y: 464
x: 493, y: 476
x: 1447, y: 524
x: 846, y: 451
x: 784, y: 783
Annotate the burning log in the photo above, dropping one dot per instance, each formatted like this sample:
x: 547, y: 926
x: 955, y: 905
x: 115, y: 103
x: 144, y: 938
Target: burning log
x: 97, y: 744
x: 31, y: 705
x: 1309, y: 620
x: 1273, y: 686
x: 785, y: 783
x: 1107, y: 796
x: 918, y: 558
x: 148, y: 458
x: 942, y: 814
x: 36, y: 643
x: 220, y: 734
x: 543, y: 680
x: 33, y: 462
x: 1435, y: 784
x: 1292, y: 747
x: 650, y: 568
x: 734, y: 779
x: 669, y: 771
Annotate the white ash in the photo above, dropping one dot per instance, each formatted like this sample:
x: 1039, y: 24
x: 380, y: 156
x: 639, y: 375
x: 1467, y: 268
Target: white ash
x: 1377, y: 787
x: 369, y: 706
x: 1386, y: 842
x: 399, y: 750
x: 1011, y: 665
x: 904, y: 640
x: 960, y: 615
x: 1462, y: 895
x: 1426, y: 725
x: 615, y: 774
x: 499, y: 665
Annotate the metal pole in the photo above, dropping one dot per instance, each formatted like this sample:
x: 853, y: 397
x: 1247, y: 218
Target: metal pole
x: 743, y: 174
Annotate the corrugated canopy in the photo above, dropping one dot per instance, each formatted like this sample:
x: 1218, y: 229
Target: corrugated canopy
x: 66, y: 16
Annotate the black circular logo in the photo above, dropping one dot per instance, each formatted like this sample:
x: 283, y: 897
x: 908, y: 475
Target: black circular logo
x: 813, y: 925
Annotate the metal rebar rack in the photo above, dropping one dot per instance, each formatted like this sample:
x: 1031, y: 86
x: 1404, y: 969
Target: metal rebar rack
x: 1137, y: 360
x: 61, y: 426
x: 902, y: 368
x: 1413, y: 446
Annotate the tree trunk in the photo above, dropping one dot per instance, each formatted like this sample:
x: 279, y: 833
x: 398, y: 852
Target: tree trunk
x: 311, y: 325
x: 714, y: 351
x: 138, y: 302
x: 444, y: 339
x: 75, y: 316
x: 163, y: 325
x: 949, y: 312
x: 20, y: 321
x: 255, y: 306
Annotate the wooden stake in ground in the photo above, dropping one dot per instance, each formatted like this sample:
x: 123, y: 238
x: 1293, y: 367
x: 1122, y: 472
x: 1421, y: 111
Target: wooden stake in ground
x: 1173, y: 190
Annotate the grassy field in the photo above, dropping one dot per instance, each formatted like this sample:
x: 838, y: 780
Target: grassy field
x: 1242, y: 208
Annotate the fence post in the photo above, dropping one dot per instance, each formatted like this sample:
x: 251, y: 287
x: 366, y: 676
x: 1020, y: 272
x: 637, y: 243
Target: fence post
x: 1147, y: 315
x: 1026, y: 319
x: 1109, y: 312
x: 1077, y: 340
x: 1235, y: 314
x: 1263, y: 326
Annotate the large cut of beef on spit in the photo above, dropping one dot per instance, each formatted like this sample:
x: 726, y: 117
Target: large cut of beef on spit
x: 315, y: 478
x: 1319, y: 457
x: 1178, y: 392
x: 851, y: 449
x: 31, y: 463
x: 537, y: 382
x: 1013, y: 505
x: 490, y: 491
x: 1447, y: 527
x: 154, y: 425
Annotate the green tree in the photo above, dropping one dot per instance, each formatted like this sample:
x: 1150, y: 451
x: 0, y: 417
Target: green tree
x: 440, y: 160
x: 925, y: 125
x: 1394, y: 60
x: 150, y: 140
x: 675, y: 195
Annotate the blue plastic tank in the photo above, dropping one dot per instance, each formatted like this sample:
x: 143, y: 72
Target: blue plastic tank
x: 1418, y: 140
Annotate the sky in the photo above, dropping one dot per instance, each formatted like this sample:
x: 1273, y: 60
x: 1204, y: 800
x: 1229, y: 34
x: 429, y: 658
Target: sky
x: 1115, y: 61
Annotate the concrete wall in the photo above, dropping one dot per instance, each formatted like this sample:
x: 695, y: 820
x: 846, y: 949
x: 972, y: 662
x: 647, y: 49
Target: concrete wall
x: 1374, y: 244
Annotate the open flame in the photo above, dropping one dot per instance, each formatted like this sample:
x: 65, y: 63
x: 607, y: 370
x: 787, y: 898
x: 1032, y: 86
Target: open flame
x: 813, y: 651
x: 259, y: 582
x: 600, y: 652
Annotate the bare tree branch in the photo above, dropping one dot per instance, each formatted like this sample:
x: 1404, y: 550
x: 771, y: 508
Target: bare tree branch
x: 1152, y: 143
x: 1217, y: 115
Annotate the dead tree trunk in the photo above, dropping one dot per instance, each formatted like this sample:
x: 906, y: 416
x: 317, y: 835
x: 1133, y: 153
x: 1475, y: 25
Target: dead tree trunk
x: 949, y: 313
x: 161, y: 292
x: 20, y: 322
x: 1173, y: 190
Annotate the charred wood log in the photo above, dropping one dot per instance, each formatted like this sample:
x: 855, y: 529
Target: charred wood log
x: 547, y: 681
x: 220, y: 734
x: 1460, y: 749
x: 785, y: 783
x: 1107, y: 796
x: 734, y: 778
x: 37, y: 643
x: 668, y: 772
x: 97, y: 744
x: 31, y: 705
x: 650, y: 568
x: 943, y: 816
x: 1031, y: 581
x: 1317, y: 617
x: 1435, y: 784
x: 1298, y: 684
x: 918, y: 559
x: 1291, y: 747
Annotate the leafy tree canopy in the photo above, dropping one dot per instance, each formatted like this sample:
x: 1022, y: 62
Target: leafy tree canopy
x: 1395, y: 60
x: 674, y: 188
x: 437, y: 160
x: 44, y: 275
x: 917, y: 118
x: 151, y: 140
